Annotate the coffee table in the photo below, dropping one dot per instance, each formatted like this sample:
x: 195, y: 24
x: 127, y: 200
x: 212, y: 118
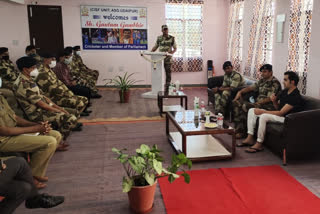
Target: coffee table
x: 197, y: 142
x: 162, y: 95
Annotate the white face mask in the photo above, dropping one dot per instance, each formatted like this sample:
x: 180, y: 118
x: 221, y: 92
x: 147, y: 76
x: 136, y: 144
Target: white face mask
x: 78, y: 53
x: 53, y: 64
x: 68, y: 61
x: 34, y: 73
x: 0, y: 82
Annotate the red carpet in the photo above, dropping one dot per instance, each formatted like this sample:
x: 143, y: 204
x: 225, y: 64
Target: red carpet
x: 248, y: 190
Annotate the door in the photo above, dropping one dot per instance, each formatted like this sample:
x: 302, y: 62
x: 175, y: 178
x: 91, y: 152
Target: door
x: 45, y: 27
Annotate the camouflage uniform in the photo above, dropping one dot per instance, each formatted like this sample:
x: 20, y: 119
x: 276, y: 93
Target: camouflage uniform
x: 82, y: 77
x: 234, y: 80
x: 264, y: 88
x: 79, y: 62
x: 28, y: 95
x: 165, y: 44
x: 8, y: 73
x: 57, y: 91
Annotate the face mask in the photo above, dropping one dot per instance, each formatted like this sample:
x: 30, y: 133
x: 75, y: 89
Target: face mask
x: 32, y: 55
x: 5, y: 57
x: 78, y: 53
x: 68, y: 61
x: 53, y: 64
x: 0, y: 82
x: 34, y: 73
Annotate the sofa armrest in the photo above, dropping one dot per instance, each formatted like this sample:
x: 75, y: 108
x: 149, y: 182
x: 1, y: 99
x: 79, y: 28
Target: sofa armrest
x: 215, y: 81
x: 300, y: 132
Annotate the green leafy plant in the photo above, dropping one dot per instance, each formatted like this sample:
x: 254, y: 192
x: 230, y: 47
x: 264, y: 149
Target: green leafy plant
x: 145, y: 167
x: 123, y: 82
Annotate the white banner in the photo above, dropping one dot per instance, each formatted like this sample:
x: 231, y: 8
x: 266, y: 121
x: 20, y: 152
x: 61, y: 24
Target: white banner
x: 116, y: 28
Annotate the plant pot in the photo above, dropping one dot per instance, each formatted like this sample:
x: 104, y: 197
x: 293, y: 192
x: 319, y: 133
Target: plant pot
x: 125, y: 97
x: 141, y: 198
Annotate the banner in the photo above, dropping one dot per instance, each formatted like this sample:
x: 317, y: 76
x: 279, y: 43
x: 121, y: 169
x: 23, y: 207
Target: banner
x: 114, y: 28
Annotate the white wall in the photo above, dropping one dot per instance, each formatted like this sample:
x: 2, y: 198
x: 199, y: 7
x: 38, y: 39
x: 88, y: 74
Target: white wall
x: 280, y: 50
x: 110, y: 62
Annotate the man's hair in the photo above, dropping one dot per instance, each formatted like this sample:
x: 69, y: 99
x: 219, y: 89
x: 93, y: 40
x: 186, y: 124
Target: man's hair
x: 126, y: 30
x: 266, y: 67
x: 292, y: 76
x: 77, y: 47
x: 30, y: 47
x: 226, y: 64
x: 67, y: 52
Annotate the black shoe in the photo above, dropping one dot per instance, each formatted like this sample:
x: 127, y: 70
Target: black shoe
x: 87, y: 111
x: 77, y: 129
x: 44, y: 201
x: 84, y: 114
x: 96, y: 96
x: 79, y: 124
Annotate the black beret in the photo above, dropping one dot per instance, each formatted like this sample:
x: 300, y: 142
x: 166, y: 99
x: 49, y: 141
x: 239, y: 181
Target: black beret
x: 226, y: 64
x: 3, y: 50
x: 26, y: 62
x: 76, y: 47
x: 47, y: 55
x: 266, y: 67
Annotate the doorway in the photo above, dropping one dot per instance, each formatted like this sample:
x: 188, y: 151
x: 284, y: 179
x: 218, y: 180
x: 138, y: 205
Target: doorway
x: 45, y: 27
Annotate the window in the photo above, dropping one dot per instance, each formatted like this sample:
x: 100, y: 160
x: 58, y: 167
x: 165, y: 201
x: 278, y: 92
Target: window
x: 299, y: 39
x: 184, y: 20
x: 235, y: 34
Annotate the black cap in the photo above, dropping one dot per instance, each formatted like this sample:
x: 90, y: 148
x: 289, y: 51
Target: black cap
x: 3, y: 50
x: 76, y: 47
x: 226, y: 64
x: 266, y: 67
x: 30, y: 47
x: 47, y: 55
x: 26, y: 62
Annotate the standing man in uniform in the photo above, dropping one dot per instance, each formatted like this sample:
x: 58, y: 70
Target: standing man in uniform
x: 36, y: 106
x: 265, y: 87
x: 231, y: 80
x: 8, y: 72
x: 166, y: 43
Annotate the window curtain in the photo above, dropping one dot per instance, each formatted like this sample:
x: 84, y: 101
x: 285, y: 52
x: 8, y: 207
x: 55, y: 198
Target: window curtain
x: 184, y: 20
x: 299, y: 39
x: 260, y: 38
x: 235, y: 34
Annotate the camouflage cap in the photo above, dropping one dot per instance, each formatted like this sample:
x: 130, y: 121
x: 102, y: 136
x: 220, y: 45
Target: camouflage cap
x: 164, y: 27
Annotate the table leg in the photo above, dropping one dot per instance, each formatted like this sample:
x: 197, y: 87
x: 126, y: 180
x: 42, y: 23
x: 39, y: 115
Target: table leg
x: 233, y: 144
x: 184, y: 144
x: 186, y: 103
x: 161, y: 106
x: 181, y: 101
x: 167, y: 124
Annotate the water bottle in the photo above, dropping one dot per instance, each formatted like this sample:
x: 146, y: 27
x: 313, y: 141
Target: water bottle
x: 203, y: 110
x: 220, y: 120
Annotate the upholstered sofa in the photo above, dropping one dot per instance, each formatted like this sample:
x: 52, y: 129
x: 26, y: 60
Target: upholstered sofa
x: 296, y: 138
x: 217, y: 81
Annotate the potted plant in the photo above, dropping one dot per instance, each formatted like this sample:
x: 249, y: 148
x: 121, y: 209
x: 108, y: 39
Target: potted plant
x: 142, y: 171
x: 124, y: 83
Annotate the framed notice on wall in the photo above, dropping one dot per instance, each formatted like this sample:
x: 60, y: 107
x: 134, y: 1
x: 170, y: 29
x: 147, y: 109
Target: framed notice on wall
x: 114, y: 28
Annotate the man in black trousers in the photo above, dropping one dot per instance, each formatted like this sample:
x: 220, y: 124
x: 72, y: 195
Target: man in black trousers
x: 16, y: 186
